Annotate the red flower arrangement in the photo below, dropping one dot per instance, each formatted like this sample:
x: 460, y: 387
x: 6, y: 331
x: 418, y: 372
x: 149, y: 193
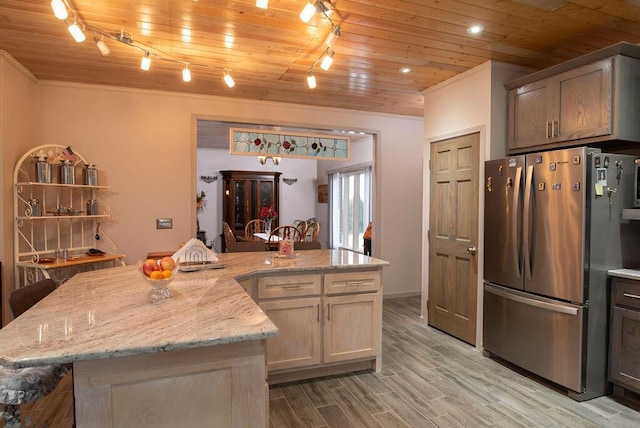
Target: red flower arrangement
x: 268, y: 213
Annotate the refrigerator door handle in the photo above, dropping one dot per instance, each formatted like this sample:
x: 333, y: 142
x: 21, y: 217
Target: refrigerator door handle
x: 526, y: 217
x: 514, y: 223
x: 554, y: 307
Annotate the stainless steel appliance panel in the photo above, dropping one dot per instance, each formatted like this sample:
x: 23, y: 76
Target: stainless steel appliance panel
x: 503, y: 194
x: 554, y: 224
x: 540, y: 335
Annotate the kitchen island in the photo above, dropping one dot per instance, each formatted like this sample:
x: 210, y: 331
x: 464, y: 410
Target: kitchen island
x: 196, y: 358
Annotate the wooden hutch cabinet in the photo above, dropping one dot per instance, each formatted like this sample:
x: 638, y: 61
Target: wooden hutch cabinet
x: 244, y: 193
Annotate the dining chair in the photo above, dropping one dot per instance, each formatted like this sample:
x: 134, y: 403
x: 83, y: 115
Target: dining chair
x: 285, y: 232
x: 228, y: 234
x: 302, y: 227
x: 243, y: 247
x: 254, y: 226
x: 25, y: 385
x: 312, y: 232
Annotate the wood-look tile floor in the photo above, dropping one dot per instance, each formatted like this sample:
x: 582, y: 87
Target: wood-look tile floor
x: 429, y: 379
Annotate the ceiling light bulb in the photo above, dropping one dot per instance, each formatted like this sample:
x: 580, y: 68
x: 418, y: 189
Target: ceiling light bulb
x: 186, y: 73
x: 102, y: 46
x: 145, y: 64
x: 333, y: 36
x: 59, y: 9
x: 311, y: 80
x: 229, y: 80
x: 475, y: 29
x: 307, y: 12
x: 327, y: 60
x: 262, y: 4
x: 405, y: 70
x: 76, y: 32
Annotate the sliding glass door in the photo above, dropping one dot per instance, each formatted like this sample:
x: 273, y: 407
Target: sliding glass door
x: 350, y: 208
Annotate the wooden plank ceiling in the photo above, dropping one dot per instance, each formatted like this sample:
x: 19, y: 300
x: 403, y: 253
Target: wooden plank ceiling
x: 270, y: 52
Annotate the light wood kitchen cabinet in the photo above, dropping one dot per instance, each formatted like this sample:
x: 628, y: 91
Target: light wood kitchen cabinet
x: 343, y: 342
x: 327, y: 324
x: 590, y: 100
x: 298, y: 341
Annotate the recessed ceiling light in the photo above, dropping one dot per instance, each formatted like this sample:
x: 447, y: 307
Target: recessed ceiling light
x: 405, y: 70
x: 475, y: 29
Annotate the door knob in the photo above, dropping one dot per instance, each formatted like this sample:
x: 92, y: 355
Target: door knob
x: 472, y: 250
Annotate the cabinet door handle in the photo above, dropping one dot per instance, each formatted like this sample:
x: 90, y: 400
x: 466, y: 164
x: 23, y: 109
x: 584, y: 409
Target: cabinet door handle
x: 354, y: 282
x: 632, y: 296
x: 328, y: 311
x: 548, y: 130
x: 555, y: 128
x: 318, y: 314
x: 291, y: 287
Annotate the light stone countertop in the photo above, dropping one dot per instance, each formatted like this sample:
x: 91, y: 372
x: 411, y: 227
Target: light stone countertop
x: 105, y: 313
x: 625, y: 273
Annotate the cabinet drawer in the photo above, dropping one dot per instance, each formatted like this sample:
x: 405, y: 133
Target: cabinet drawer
x: 626, y: 293
x: 351, y: 282
x: 288, y: 286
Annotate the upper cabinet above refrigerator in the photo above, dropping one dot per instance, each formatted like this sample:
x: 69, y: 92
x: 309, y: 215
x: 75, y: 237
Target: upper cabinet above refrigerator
x: 588, y: 100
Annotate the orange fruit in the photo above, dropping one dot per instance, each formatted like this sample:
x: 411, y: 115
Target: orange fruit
x: 156, y: 274
x: 167, y: 274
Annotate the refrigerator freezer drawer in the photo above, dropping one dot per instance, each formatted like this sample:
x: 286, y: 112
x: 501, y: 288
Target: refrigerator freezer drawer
x: 540, y: 335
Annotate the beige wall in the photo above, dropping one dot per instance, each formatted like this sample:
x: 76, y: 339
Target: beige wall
x: 475, y: 101
x: 18, y: 106
x: 142, y: 144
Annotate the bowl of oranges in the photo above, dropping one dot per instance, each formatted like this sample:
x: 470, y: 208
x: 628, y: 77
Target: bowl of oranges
x: 159, y: 273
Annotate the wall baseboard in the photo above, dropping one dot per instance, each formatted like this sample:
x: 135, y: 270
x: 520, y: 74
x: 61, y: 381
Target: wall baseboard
x: 402, y: 294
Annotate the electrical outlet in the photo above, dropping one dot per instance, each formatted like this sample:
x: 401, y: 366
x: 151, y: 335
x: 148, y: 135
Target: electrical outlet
x: 164, y: 223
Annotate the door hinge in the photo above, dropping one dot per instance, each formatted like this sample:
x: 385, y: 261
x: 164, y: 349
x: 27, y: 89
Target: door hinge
x: 429, y: 235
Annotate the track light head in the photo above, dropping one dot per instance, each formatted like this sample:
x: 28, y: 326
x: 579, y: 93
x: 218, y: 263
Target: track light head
x: 76, y: 32
x: 308, y: 12
x: 59, y: 9
x: 145, y: 64
x: 311, y: 80
x: 333, y: 36
x: 228, y: 79
x: 186, y: 73
x: 102, y: 46
x: 327, y: 60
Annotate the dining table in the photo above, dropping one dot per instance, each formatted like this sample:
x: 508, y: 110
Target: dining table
x: 260, y: 237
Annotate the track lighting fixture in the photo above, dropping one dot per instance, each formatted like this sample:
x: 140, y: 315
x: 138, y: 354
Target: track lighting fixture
x: 327, y: 60
x: 145, y: 64
x: 102, y: 46
x: 59, y: 9
x: 76, y: 32
x: 77, y: 29
x: 186, y: 73
x: 228, y: 79
x: 311, y: 80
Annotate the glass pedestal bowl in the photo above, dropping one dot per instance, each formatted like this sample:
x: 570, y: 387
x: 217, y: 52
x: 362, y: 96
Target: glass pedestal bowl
x: 158, y: 279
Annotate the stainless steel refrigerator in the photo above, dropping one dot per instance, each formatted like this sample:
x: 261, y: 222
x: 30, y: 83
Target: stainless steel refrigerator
x: 553, y: 228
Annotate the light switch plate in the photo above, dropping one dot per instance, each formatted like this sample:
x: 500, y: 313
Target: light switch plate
x: 164, y: 223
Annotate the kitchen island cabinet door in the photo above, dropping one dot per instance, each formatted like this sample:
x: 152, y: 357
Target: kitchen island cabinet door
x: 298, y: 341
x: 351, y: 327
